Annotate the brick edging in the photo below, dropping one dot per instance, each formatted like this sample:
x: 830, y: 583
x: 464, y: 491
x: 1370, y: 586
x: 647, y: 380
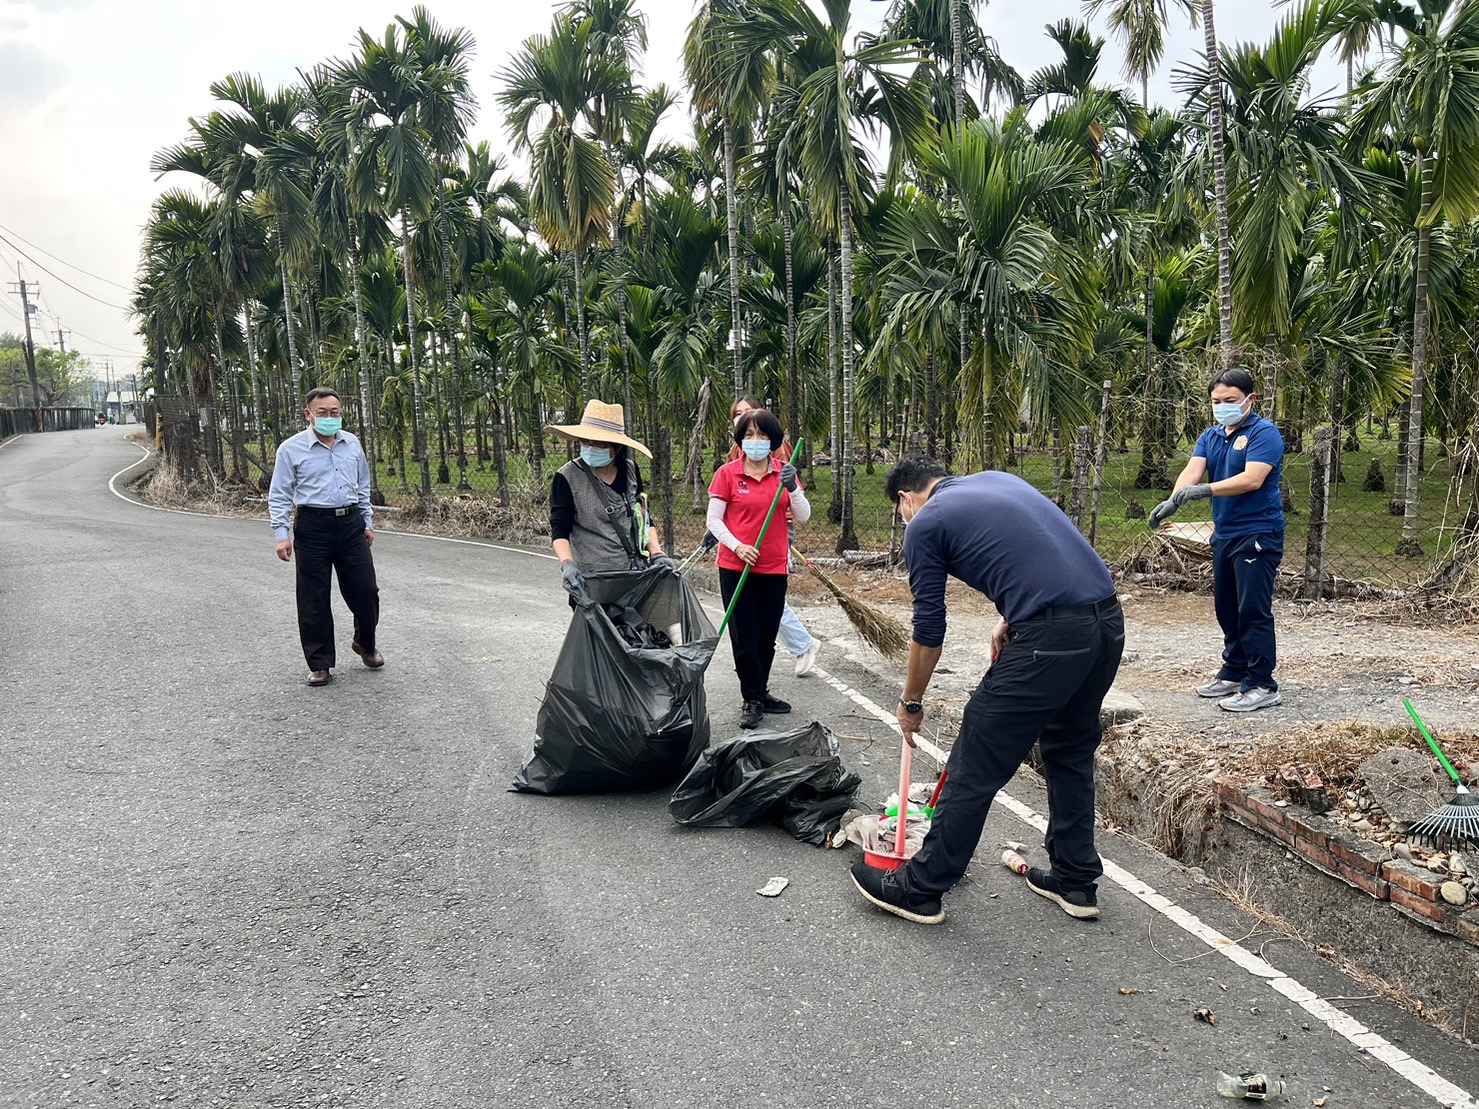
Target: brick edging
x: 1328, y: 847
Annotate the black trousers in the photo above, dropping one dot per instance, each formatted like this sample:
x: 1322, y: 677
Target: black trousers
x: 1244, y: 570
x: 324, y: 544
x: 1048, y: 686
x: 753, y: 627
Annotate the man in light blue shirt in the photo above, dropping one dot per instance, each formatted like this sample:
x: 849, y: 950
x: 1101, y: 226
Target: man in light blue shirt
x: 321, y: 494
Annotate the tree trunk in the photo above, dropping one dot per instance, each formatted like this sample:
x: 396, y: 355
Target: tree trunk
x: 287, y: 314
x: 834, y: 510
x: 793, y: 368
x: 1218, y: 140
x: 957, y: 62
x: 438, y: 382
x: 366, y: 393
x: 847, y: 540
x: 1409, y: 545
x: 932, y: 405
x: 988, y: 417
x: 731, y: 205
x: 420, y: 449
x: 454, y: 327
x: 500, y: 453
x: 585, y: 353
x: 257, y: 413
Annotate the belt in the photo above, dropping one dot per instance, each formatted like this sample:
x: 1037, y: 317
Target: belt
x: 1109, y: 604
x: 325, y: 510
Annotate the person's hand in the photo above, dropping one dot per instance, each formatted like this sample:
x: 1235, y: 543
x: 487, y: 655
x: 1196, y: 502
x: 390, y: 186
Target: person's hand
x: 1177, y: 501
x: 1000, y: 636
x: 663, y: 562
x: 571, y: 577
x: 747, y: 554
x: 710, y: 541
x: 285, y: 550
x: 910, y: 723
x: 788, y: 477
x: 369, y: 538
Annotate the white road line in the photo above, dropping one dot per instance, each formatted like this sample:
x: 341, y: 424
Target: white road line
x: 113, y: 488
x: 1422, y: 1076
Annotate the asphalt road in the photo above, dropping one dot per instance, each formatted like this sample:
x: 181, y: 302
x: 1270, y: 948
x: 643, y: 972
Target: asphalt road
x: 221, y: 887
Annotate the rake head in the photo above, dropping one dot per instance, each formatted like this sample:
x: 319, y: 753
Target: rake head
x: 1454, y: 826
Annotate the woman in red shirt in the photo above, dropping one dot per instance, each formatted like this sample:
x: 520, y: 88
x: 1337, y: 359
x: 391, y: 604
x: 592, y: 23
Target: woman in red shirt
x: 739, y: 498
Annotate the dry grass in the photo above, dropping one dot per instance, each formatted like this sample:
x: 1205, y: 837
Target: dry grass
x: 475, y: 518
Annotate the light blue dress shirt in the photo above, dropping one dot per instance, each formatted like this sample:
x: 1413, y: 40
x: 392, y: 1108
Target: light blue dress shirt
x: 308, y: 472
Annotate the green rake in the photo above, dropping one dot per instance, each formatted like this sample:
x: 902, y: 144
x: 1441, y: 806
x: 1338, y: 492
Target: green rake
x: 1455, y: 825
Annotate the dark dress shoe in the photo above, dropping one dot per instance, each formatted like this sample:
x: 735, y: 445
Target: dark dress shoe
x: 373, y: 659
x: 774, y: 706
x: 320, y: 677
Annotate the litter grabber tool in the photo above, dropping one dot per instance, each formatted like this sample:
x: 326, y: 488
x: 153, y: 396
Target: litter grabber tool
x: 687, y: 562
x: 1456, y: 824
x: 759, y: 542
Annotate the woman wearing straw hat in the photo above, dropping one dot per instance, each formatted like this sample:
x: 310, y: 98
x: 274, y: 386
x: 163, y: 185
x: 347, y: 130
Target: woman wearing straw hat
x: 598, y: 514
x: 740, y: 497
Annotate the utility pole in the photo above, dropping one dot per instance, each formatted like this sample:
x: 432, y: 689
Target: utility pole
x: 22, y: 288
x: 61, y: 334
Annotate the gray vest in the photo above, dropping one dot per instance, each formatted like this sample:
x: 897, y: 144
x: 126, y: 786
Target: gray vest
x: 595, y: 537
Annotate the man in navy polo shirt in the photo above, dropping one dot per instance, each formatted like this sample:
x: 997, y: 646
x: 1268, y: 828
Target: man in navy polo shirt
x: 1238, y: 462
x: 1056, y: 651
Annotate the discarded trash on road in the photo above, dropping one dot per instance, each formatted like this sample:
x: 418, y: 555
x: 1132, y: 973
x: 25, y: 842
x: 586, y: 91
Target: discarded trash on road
x: 625, y: 706
x: 1014, y: 862
x: 773, y: 887
x: 794, y: 778
x: 1249, y: 1086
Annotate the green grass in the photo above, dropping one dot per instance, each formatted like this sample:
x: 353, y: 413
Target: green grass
x: 1363, y: 535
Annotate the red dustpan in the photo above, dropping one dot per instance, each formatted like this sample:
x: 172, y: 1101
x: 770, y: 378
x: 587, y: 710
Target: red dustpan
x: 892, y: 860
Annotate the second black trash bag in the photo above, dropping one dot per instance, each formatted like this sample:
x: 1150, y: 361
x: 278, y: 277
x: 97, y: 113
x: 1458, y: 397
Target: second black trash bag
x: 620, y: 711
x: 794, y: 778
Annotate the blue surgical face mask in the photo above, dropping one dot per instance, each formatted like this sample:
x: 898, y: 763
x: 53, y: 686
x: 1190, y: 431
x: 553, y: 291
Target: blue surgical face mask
x: 327, y: 425
x: 597, y: 457
x: 757, y: 450
x: 1229, y: 415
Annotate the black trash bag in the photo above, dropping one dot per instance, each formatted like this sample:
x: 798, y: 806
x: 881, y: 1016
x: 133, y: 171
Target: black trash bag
x: 793, y: 778
x: 618, y: 714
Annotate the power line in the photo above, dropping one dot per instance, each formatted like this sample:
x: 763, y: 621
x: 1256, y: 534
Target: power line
x: 63, y: 261
x: 63, y: 280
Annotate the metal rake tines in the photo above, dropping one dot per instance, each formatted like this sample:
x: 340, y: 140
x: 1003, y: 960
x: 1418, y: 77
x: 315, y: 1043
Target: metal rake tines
x: 1454, y: 825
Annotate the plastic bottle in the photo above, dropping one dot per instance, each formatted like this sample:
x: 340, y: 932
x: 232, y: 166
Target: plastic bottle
x: 1014, y: 862
x: 1249, y: 1086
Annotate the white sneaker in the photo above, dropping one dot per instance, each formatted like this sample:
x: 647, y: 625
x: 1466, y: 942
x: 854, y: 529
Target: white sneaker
x: 1220, y: 688
x: 1257, y: 698
x: 805, y: 662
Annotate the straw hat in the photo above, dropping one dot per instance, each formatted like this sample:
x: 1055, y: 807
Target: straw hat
x: 601, y: 423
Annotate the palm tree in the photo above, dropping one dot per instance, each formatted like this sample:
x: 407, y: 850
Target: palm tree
x: 1141, y: 26
x: 392, y: 169
x: 728, y: 76
x: 1426, y: 95
x: 839, y: 91
x: 558, y: 76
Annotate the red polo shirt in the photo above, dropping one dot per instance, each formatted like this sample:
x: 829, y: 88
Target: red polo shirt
x: 747, y: 502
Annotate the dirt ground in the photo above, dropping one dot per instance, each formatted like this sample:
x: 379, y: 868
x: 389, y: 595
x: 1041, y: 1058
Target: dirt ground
x: 1339, y: 662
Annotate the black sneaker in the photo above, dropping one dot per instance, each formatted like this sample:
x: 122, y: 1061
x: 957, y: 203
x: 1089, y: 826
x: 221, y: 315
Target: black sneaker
x: 882, y: 888
x: 774, y: 706
x: 750, y: 714
x: 1077, y: 903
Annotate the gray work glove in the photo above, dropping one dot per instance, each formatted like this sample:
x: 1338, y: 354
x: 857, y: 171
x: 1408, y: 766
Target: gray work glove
x: 571, y: 576
x: 788, y: 476
x: 662, y: 562
x: 1177, y: 501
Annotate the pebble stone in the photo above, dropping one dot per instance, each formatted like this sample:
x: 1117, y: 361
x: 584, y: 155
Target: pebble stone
x: 1454, y: 893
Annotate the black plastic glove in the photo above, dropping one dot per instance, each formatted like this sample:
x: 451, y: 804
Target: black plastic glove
x: 662, y: 562
x: 571, y: 576
x: 710, y: 541
x: 788, y: 476
x: 1177, y: 501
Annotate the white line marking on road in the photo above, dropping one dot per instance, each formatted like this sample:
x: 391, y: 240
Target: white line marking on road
x: 1422, y: 1076
x: 113, y: 488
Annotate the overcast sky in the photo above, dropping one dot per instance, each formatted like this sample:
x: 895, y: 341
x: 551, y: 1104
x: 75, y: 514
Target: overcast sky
x: 90, y: 89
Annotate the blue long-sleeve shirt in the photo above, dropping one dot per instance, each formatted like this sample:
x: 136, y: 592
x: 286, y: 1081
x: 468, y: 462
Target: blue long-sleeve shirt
x: 1002, y: 537
x: 308, y: 472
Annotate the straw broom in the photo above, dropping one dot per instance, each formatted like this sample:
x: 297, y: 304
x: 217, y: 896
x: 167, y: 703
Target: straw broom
x: 880, y: 631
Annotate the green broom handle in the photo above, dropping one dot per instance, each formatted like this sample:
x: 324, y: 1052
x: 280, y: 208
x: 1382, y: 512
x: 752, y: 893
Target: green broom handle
x: 728, y: 612
x: 1433, y: 743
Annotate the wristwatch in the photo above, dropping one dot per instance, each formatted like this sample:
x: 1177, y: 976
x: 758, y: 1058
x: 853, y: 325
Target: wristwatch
x: 912, y: 707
